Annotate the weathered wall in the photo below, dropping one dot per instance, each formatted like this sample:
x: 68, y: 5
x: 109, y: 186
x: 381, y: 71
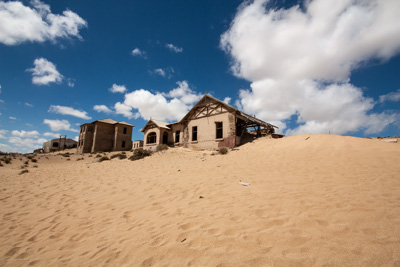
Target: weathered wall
x: 206, y: 130
x: 103, y: 137
x: 174, y: 129
x: 137, y: 144
x: 120, y: 137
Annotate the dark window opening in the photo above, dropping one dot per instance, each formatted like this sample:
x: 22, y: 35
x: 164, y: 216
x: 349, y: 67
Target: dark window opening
x: 194, y: 133
x: 151, y: 138
x: 219, y: 132
x: 125, y: 130
x: 123, y: 143
x: 177, y: 136
x: 165, y: 138
x: 55, y: 144
x: 90, y: 128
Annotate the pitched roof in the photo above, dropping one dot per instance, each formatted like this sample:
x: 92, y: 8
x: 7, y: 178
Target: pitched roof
x: 159, y: 124
x: 110, y: 121
x: 125, y: 123
x: 242, y: 115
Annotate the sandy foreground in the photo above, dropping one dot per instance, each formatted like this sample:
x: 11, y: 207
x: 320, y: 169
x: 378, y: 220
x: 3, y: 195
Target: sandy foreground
x: 314, y: 200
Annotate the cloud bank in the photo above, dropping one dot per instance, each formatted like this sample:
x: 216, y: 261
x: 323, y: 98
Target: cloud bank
x: 299, y: 61
x: 20, y: 23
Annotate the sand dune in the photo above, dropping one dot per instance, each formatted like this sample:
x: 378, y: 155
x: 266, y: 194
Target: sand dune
x: 314, y: 200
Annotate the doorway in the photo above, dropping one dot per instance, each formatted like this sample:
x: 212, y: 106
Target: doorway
x: 165, y: 138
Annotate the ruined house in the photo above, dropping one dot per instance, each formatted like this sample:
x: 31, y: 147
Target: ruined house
x: 105, y: 135
x: 210, y: 124
x: 57, y: 144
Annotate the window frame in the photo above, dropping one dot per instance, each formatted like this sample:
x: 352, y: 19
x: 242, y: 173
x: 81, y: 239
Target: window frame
x: 150, y: 135
x: 219, y: 130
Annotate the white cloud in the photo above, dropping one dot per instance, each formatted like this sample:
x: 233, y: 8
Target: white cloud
x: 117, y: 88
x: 138, y: 52
x: 390, y: 97
x: 299, y: 61
x: 45, y: 72
x: 76, y: 138
x: 20, y: 23
x: 12, y: 118
x: 102, y: 108
x: 54, y: 135
x: 69, y: 111
x: 125, y: 110
x: 59, y: 125
x: 70, y: 82
x: 26, y: 142
x: 227, y: 100
x: 25, y: 133
x: 166, y: 73
x: 160, y: 72
x: 29, y: 105
x: 2, y: 134
x: 174, y: 48
x: 171, y: 106
x: 5, y: 148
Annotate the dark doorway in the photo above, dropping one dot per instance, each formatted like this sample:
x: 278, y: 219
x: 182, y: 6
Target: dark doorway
x: 165, y: 138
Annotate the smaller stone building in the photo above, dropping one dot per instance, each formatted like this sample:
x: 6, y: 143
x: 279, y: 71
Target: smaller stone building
x: 105, y: 135
x: 59, y: 144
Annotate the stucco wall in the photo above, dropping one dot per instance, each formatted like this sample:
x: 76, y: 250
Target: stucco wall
x: 206, y: 130
x: 174, y: 129
x: 158, y: 139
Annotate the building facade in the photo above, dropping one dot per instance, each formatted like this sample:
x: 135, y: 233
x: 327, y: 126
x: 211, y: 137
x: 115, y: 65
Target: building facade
x: 105, y: 135
x: 210, y: 124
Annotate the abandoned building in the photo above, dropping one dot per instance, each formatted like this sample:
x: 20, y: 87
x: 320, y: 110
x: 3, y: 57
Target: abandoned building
x: 105, y: 135
x: 59, y: 144
x: 137, y: 144
x: 210, y: 124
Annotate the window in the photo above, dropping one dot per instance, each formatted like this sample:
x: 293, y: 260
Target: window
x: 151, y: 138
x: 194, y: 133
x: 90, y: 128
x: 125, y: 130
x: 218, y: 128
x: 123, y: 143
x: 177, y: 136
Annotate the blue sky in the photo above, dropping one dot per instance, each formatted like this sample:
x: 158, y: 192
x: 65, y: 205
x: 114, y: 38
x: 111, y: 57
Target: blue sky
x: 319, y: 67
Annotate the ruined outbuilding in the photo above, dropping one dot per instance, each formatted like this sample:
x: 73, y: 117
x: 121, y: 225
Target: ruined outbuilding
x: 105, y: 135
x: 210, y: 124
x: 59, y: 144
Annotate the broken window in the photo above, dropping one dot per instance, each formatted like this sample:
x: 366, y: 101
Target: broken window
x: 219, y: 132
x: 194, y: 133
x: 151, y: 138
x: 177, y: 136
x: 125, y: 130
x: 55, y: 144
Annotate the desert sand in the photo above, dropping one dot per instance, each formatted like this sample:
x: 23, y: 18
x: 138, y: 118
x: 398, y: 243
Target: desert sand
x: 314, y: 200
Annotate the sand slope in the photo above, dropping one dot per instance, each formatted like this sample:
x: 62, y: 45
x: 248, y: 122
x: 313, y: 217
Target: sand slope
x: 314, y: 200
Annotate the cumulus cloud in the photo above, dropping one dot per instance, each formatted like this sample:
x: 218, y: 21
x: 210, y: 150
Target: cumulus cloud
x: 115, y: 88
x: 36, y: 23
x: 59, y: 125
x: 3, y: 134
x: 45, y: 72
x: 227, y: 100
x: 139, y: 53
x: 69, y: 111
x: 174, y: 48
x: 299, y: 61
x: 26, y: 142
x: 171, y: 106
x: 53, y: 135
x: 390, y: 97
x: 25, y: 134
x: 102, y: 108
